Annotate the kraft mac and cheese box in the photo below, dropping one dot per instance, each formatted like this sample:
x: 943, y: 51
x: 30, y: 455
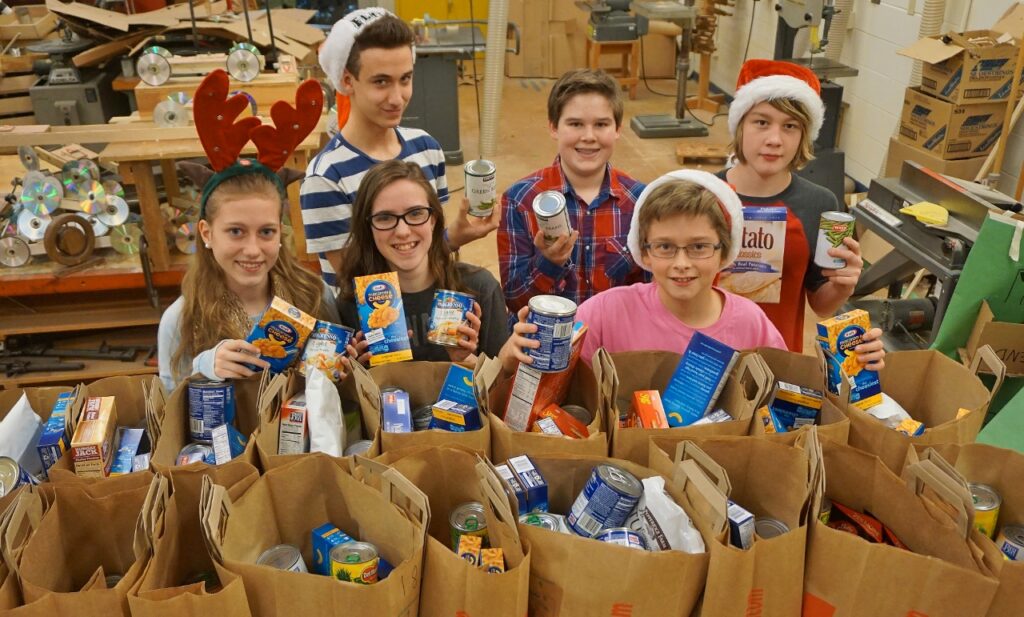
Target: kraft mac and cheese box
x: 455, y: 417
x: 382, y: 317
x: 838, y: 337
x: 281, y: 334
x: 794, y: 406
x: 757, y: 271
x: 458, y: 386
x: 53, y: 440
x: 698, y: 380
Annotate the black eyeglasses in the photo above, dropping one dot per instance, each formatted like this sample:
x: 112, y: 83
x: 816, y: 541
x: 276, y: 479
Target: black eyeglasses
x: 667, y: 250
x: 413, y: 218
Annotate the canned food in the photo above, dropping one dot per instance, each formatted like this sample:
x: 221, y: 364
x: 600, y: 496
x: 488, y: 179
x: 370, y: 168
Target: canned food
x: 543, y: 520
x: 554, y: 317
x: 826, y: 510
x: 13, y: 475
x: 467, y: 519
x: 113, y: 579
x: 582, y: 414
x: 622, y: 536
x: 210, y: 404
x: 552, y: 216
x: 358, y: 447
x: 355, y: 562
x: 446, y: 315
x: 833, y: 228
x: 421, y: 417
x: 1011, y: 542
x: 195, y: 453
x: 608, y: 498
x: 325, y: 350
x: 283, y: 557
x: 986, y: 508
x: 481, y: 187
x: 767, y: 528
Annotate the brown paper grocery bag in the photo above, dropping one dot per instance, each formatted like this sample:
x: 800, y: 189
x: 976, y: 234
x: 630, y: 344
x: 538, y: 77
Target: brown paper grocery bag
x: 932, y: 388
x: 80, y: 541
x: 768, y: 479
x: 450, y: 477
x: 651, y: 370
x: 584, y: 390
x: 942, y: 575
x: 422, y: 380
x: 283, y: 507
x: 171, y: 527
x: 1002, y: 470
x: 573, y: 576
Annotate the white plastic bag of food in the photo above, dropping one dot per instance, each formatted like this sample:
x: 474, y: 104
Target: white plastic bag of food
x: 19, y: 434
x: 889, y: 412
x: 326, y: 426
x: 663, y: 523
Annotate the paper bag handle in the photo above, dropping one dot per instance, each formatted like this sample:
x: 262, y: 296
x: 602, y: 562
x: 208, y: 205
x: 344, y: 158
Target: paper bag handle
x: 690, y: 473
x: 271, y: 389
x: 752, y: 368
x: 151, y: 516
x: 214, y: 511
x: 404, y: 494
x: 986, y: 355
x: 607, y: 396
x: 20, y: 522
x: 931, y: 454
x: 926, y: 473
x: 688, y: 450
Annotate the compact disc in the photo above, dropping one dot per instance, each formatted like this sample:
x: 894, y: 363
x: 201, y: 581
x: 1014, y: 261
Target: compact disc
x: 154, y: 66
x: 185, y: 238
x: 32, y: 227
x: 115, y: 212
x: 41, y: 198
x: 168, y: 114
x: 125, y: 239
x: 14, y: 252
x: 244, y: 62
x: 29, y: 158
x: 95, y: 199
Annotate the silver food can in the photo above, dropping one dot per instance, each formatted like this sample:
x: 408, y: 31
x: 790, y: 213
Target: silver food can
x: 582, y: 414
x: 283, y: 557
x: 467, y: 519
x: 766, y: 527
x: 833, y: 228
x: 481, y: 187
x: 552, y: 216
x: 360, y: 447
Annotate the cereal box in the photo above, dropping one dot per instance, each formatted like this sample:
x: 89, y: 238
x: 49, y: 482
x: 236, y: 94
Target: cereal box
x: 281, y: 334
x: 92, y: 442
x: 838, y: 337
x: 547, y: 426
x: 382, y: 316
x: 325, y: 350
x: 647, y: 410
x: 128, y: 442
x: 757, y: 271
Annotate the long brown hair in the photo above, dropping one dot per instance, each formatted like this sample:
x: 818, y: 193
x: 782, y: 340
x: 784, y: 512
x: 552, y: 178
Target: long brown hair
x: 361, y: 256
x: 206, y: 319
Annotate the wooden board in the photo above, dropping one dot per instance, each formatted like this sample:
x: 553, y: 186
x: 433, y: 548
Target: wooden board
x: 15, y: 105
x: 14, y: 84
x: 121, y: 315
x: 42, y: 23
x: 267, y: 89
x: 18, y: 64
x: 700, y: 152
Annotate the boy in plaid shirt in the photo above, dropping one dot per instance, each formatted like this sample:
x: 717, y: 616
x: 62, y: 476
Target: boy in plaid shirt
x: 585, y: 120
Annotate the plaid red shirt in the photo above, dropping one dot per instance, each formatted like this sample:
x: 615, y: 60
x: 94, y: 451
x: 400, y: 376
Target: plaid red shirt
x: 600, y: 259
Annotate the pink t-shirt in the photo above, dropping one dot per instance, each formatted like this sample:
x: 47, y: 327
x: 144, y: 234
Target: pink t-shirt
x: 634, y: 319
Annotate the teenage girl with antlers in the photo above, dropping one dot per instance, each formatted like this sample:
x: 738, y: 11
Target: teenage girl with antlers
x: 238, y: 266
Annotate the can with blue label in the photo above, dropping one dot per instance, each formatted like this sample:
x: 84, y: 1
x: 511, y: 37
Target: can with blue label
x: 325, y: 350
x: 622, y: 536
x: 446, y: 315
x: 13, y: 475
x: 554, y: 317
x: 606, y: 501
x: 210, y: 404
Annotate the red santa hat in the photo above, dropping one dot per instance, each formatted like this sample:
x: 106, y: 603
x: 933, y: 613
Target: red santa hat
x: 769, y: 80
x: 730, y: 203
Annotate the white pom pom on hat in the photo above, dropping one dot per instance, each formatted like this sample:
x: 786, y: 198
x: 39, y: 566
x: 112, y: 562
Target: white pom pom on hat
x: 731, y: 205
x: 336, y: 49
x: 766, y: 80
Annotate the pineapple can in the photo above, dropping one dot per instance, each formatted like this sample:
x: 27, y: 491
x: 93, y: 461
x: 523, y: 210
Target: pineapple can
x: 833, y: 228
x: 355, y: 562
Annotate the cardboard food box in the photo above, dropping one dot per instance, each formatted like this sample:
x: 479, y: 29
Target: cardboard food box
x: 966, y: 169
x: 950, y: 131
x: 966, y: 68
x: 1006, y: 339
x: 92, y: 443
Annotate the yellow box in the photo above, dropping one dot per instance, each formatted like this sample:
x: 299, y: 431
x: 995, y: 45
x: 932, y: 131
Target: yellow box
x: 838, y: 337
x: 469, y: 548
x: 492, y: 560
x: 93, y: 440
x: 382, y: 317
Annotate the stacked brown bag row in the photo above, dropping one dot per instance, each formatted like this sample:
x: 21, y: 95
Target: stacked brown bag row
x: 184, y: 540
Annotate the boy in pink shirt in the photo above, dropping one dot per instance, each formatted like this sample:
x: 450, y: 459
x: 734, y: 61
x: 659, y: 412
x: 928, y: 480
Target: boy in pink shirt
x: 687, y: 226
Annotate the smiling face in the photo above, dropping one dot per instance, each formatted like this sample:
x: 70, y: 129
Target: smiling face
x: 771, y: 139
x: 682, y: 280
x: 406, y: 247
x: 244, y: 234
x: 383, y: 87
x: 586, y: 134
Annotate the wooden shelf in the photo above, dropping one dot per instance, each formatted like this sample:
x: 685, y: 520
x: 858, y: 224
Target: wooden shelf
x: 124, y: 315
x: 115, y: 273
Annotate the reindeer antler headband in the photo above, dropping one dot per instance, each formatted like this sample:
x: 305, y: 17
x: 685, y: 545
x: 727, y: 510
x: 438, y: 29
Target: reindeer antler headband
x: 223, y: 137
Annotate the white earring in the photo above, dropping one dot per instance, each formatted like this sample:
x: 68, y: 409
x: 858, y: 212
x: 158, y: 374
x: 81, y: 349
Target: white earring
x: 207, y: 244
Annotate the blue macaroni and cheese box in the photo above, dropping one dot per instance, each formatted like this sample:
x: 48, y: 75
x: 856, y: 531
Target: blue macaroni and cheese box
x: 838, y: 337
x: 455, y: 417
x: 281, y: 333
x: 458, y: 386
x: 534, y: 484
x: 698, y: 380
x: 794, y: 406
x: 54, y: 440
x: 382, y: 317
x: 514, y: 485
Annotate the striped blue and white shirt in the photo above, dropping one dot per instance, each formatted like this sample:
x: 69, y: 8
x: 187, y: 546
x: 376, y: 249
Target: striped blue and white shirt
x: 332, y: 179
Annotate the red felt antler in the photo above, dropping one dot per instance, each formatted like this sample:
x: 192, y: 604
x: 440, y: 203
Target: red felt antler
x: 291, y: 125
x: 215, y: 113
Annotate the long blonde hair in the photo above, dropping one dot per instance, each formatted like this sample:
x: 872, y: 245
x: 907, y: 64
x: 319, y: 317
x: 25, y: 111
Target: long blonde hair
x: 206, y: 319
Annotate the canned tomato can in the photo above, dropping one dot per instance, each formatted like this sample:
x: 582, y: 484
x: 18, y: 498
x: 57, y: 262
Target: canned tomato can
x: 826, y: 510
x: 622, y: 536
x: 467, y: 520
x: 13, y: 475
x: 1011, y: 541
x: 833, y: 228
x: 766, y: 527
x: 355, y: 562
x: 446, y: 315
x: 552, y: 215
x: 554, y: 317
x: 481, y: 187
x: 195, y: 453
x: 358, y: 447
x: 283, y: 557
x: 986, y: 508
x: 606, y: 501
x: 210, y: 404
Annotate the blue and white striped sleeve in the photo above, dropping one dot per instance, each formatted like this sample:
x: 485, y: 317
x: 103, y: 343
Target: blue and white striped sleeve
x: 326, y: 214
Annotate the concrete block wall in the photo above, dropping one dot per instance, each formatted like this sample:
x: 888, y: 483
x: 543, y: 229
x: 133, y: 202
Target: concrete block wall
x: 875, y: 96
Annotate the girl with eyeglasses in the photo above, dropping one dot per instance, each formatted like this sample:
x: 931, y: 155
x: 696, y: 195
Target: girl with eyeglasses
x: 398, y: 226
x: 686, y: 228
